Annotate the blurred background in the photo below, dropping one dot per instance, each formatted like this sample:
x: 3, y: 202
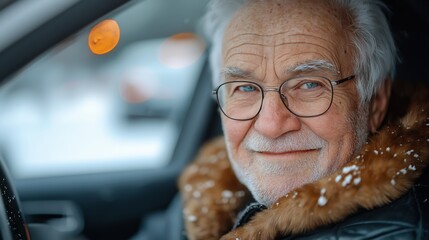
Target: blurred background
x: 72, y: 111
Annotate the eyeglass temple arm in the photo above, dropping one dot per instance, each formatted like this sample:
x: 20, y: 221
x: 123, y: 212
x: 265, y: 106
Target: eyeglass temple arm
x: 342, y: 80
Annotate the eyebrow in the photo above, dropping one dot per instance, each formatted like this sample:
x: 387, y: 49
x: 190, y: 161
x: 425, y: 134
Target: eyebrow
x: 313, y: 65
x: 235, y: 72
x: 308, y: 66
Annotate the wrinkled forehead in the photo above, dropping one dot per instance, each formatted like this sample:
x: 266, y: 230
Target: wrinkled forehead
x: 287, y: 32
x: 273, y: 20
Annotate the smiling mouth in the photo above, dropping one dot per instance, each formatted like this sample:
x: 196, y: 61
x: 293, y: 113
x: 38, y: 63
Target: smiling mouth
x: 293, y: 152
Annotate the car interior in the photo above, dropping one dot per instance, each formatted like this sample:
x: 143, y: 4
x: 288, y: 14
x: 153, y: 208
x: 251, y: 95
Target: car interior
x: 91, y: 145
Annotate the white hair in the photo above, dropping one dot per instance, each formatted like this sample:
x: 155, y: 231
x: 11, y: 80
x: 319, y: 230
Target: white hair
x: 375, y: 52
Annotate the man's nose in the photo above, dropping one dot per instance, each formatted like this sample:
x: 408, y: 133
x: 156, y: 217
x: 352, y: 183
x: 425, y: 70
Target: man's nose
x: 275, y: 119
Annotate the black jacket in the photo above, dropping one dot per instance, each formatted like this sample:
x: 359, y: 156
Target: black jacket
x: 405, y: 218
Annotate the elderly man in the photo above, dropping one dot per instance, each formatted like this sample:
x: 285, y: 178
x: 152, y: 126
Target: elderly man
x: 304, y: 88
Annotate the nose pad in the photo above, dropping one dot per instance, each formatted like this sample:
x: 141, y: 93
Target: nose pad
x: 284, y: 99
x: 277, y: 106
x: 275, y: 119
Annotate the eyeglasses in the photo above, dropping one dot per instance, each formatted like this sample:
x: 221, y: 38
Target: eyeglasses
x: 307, y: 96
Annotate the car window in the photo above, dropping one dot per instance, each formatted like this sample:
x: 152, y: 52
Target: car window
x: 74, y: 110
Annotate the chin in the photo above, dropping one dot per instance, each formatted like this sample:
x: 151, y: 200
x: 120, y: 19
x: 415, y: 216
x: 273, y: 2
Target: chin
x: 268, y: 187
x: 269, y: 197
x: 269, y: 191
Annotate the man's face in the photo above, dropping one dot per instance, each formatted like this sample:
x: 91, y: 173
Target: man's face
x: 269, y: 42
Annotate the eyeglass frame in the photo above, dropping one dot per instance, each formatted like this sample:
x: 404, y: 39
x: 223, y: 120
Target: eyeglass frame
x: 274, y: 89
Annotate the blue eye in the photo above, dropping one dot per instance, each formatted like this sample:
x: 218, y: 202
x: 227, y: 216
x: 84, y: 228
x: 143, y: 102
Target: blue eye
x: 310, y: 85
x: 247, y: 88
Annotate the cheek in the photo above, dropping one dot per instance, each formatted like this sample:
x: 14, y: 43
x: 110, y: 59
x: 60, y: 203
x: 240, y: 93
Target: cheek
x: 344, y: 106
x: 338, y: 128
x: 333, y: 126
x: 346, y: 99
x: 235, y: 131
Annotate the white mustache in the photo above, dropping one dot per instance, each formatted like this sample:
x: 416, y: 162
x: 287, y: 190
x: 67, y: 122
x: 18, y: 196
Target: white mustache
x: 297, y: 141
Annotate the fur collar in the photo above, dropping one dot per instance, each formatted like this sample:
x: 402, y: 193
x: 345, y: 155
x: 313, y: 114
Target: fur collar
x: 385, y: 169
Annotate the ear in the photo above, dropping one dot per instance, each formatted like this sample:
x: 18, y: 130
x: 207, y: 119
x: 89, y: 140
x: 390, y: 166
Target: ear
x: 378, y: 105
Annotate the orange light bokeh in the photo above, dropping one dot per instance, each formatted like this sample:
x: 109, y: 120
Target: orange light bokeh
x: 104, y: 37
x: 181, y: 50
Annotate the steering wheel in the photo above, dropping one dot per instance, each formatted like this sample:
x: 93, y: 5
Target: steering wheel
x: 12, y: 224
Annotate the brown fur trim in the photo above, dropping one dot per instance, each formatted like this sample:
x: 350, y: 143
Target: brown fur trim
x: 211, y: 193
x: 384, y: 170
